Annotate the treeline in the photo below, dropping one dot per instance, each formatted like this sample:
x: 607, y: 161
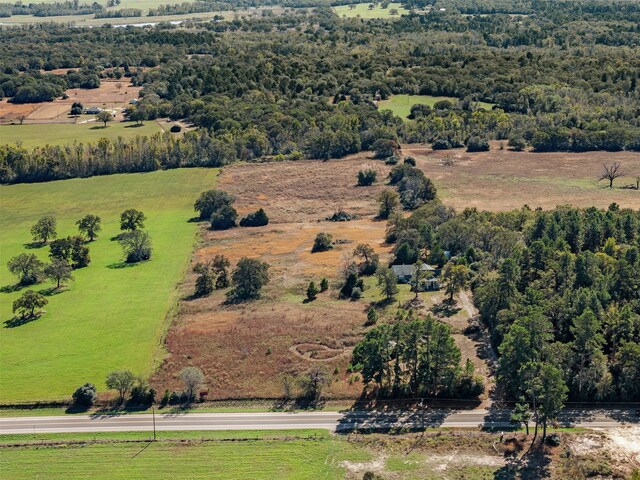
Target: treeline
x: 557, y: 289
x: 186, y: 7
x: 119, y: 13
x: 35, y: 87
x: 55, y: 9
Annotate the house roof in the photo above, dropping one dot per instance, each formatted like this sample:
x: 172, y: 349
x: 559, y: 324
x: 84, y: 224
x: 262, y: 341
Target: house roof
x: 407, y: 270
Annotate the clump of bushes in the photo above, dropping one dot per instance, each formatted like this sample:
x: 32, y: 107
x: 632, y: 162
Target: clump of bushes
x: 175, y: 129
x: 255, y: 219
x: 216, y: 206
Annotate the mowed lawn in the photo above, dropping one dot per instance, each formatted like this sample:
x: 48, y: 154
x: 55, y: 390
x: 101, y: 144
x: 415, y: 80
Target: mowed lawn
x: 262, y: 459
x: 362, y: 10
x: 111, y: 317
x: 37, y: 135
x: 401, y: 105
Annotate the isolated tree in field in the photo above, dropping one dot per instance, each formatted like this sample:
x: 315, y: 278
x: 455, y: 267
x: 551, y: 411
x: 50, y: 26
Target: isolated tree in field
x: 90, y: 225
x: 22, y: 118
x: 455, y: 279
x: 372, y: 316
x: 312, y: 291
x: 85, y: 396
x: 322, y: 242
x: 324, y: 285
x: 136, y: 246
x: 248, y: 278
x: 210, y: 201
x: 389, y: 202
x: 387, y: 281
x: 367, y: 177
x: 27, y: 267
x: 192, y: 378
x: 28, y: 303
x: 611, y: 172
x: 220, y: 268
x: 104, y: 117
x: 122, y: 381
x: 44, y: 229
x: 58, y: 271
x: 131, y: 220
x: 204, y: 282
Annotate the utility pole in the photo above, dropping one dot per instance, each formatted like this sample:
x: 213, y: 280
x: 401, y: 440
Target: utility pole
x: 153, y: 410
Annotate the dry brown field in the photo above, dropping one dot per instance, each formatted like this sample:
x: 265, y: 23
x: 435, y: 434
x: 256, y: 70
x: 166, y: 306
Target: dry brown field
x: 243, y: 349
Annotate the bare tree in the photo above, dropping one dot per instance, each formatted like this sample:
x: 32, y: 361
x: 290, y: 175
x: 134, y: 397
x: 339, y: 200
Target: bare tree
x: 611, y: 172
x: 22, y: 118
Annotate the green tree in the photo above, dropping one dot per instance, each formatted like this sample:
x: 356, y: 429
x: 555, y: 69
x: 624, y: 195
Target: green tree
x: 58, y: 271
x: 455, y: 279
x: 389, y: 202
x: 220, y: 268
x: 587, y: 345
x: 85, y: 396
x: 387, y: 281
x: 210, y: 201
x: 224, y: 218
x: 256, y: 219
x: 248, y: 278
x: 122, y: 381
x: 322, y: 242
x: 136, y: 246
x: 367, y: 177
x: 104, y: 116
x: 521, y: 414
x: 204, y: 282
x: 44, y: 229
x: 324, y: 285
x: 131, y: 220
x: 370, y: 260
x: 547, y: 391
x: 27, y: 267
x: 90, y: 225
x: 27, y: 304
x: 312, y: 291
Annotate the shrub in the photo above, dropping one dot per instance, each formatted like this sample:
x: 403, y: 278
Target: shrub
x: 312, y: 291
x: 477, y: 144
x: 410, y: 161
x: 255, y: 219
x: 517, y: 144
x: 367, y: 177
x: 175, y: 129
x: 553, y: 440
x: 392, y: 160
x: 210, y: 201
x: 441, y: 144
x: 356, y: 293
x: 324, y: 285
x: 372, y: 317
x: 85, y: 396
x: 322, y: 243
x: 384, y: 147
x: 224, y: 218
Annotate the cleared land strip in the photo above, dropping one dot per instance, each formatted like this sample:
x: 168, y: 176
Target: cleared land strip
x: 333, y: 421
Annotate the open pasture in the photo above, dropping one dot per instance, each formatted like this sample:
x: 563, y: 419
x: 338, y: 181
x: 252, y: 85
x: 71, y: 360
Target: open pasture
x: 38, y: 135
x: 362, y: 10
x: 505, y: 180
x: 112, y: 316
x: 401, y: 105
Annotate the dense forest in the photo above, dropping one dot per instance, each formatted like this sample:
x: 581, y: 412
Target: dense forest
x: 557, y: 290
x: 561, y: 75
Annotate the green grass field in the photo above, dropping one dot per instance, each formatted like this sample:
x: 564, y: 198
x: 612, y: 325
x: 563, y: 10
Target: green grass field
x: 35, y: 135
x: 110, y: 317
x: 267, y: 458
x: 362, y: 10
x: 401, y: 105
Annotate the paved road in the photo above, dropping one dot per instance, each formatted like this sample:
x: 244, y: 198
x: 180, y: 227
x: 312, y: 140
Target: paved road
x: 332, y: 421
